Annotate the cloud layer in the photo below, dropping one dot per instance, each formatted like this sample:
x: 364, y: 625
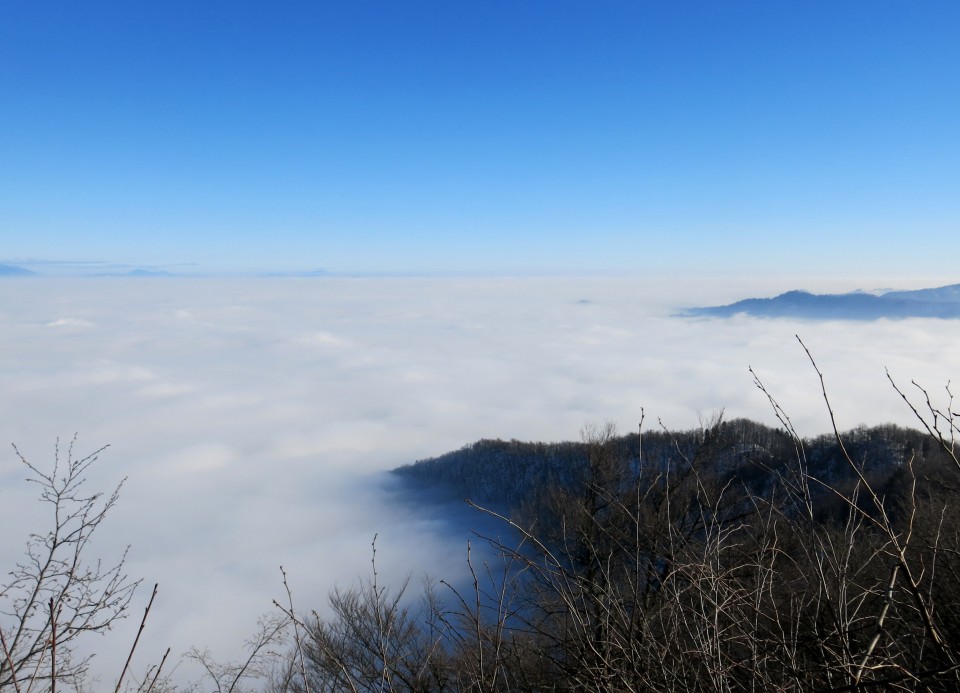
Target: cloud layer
x: 253, y: 418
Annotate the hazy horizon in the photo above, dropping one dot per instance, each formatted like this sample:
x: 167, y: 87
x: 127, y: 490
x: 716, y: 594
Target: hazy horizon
x: 718, y: 281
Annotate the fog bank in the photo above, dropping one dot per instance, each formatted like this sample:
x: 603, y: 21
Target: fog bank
x: 253, y: 418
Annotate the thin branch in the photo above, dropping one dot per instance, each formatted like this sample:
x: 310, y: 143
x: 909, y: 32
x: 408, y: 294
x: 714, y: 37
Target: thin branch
x: 143, y: 623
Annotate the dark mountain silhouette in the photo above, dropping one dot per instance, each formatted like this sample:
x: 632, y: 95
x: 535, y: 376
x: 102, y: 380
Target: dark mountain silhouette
x: 942, y: 302
x: 510, y: 475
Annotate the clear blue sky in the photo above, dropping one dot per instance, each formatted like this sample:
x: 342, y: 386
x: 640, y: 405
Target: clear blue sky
x: 502, y: 136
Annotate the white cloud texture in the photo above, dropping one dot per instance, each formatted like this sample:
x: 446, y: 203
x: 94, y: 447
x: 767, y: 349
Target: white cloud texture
x: 252, y: 417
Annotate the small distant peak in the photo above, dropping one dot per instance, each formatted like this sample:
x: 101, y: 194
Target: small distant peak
x: 148, y: 273
x: 14, y: 271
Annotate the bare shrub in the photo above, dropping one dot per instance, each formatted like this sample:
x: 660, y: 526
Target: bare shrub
x: 720, y: 567
x: 58, y: 593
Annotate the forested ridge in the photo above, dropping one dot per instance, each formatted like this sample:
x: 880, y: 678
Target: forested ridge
x: 735, y: 556
x: 509, y: 474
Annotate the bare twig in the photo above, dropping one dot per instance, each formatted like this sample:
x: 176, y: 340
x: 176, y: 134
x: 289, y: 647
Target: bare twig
x: 143, y: 623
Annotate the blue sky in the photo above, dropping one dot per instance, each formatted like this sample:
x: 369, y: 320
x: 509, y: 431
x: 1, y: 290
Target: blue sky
x: 697, y: 137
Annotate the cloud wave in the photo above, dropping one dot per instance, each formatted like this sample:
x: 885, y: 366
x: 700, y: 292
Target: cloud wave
x: 254, y: 417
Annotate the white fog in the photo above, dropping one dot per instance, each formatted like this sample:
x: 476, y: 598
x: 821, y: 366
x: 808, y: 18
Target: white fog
x: 253, y: 418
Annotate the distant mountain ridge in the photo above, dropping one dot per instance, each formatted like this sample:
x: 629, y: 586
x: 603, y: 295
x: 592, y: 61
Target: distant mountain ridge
x: 14, y: 271
x: 941, y: 302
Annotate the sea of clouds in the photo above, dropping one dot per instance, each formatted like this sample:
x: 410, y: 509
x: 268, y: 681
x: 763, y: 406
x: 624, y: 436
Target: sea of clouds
x: 253, y: 418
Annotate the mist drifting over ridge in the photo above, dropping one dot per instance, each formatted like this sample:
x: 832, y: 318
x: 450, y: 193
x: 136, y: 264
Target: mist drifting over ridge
x: 253, y: 417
